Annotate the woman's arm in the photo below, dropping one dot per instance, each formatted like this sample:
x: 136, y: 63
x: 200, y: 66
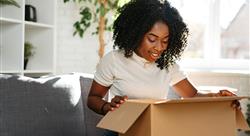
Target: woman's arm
x: 96, y: 102
x: 185, y: 89
x: 95, y: 97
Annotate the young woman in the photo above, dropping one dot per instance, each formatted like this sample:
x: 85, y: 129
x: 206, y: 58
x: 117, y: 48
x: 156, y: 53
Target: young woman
x: 150, y: 36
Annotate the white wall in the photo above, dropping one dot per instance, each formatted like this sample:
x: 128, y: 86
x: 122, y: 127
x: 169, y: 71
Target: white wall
x: 74, y: 54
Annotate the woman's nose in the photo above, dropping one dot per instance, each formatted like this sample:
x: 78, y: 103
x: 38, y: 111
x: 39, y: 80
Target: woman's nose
x: 159, y: 46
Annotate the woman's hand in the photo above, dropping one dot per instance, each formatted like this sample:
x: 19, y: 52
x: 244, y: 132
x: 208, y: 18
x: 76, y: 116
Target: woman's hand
x: 115, y: 103
x: 225, y: 93
x: 235, y: 104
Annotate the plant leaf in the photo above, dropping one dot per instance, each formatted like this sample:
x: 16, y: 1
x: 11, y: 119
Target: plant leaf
x: 89, y: 11
x: 102, y: 10
x: 65, y: 1
x: 10, y: 2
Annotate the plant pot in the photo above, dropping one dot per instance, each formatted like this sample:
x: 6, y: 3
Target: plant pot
x: 25, y: 63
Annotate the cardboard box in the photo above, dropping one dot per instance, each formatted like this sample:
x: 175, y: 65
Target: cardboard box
x: 203, y: 116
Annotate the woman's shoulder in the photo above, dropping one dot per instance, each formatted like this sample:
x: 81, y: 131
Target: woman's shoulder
x: 175, y: 68
x: 114, y: 53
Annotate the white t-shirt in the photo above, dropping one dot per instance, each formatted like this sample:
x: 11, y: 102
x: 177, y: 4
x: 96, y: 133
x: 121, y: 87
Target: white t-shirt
x: 135, y: 77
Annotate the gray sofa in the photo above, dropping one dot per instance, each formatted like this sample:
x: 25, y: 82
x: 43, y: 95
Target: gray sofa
x: 47, y: 106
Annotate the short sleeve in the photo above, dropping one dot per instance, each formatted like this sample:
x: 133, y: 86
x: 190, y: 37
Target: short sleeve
x: 104, y: 74
x: 176, y: 74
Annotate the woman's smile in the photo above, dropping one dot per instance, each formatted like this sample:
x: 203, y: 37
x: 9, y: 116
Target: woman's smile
x: 154, y: 55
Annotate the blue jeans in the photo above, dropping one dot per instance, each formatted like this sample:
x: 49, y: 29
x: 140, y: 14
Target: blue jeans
x: 110, y: 133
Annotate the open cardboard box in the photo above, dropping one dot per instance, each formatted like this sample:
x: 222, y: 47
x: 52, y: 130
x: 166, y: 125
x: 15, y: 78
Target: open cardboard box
x: 200, y: 116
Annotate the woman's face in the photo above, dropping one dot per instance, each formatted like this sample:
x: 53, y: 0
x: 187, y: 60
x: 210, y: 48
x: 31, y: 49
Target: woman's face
x: 154, y: 42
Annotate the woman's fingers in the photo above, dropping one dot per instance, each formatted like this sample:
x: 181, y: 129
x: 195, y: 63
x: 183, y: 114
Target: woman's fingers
x: 226, y: 93
x: 236, y: 104
x: 117, y: 101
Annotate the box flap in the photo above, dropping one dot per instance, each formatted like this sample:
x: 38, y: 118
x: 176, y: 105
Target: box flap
x: 241, y: 121
x: 201, y: 99
x: 122, y: 118
x: 148, y: 101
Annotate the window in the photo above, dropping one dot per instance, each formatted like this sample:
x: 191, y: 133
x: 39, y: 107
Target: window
x: 219, y: 33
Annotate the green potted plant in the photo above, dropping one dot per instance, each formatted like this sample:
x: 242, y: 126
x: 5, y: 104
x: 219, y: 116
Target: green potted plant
x: 95, y: 11
x: 28, y: 52
x: 9, y: 2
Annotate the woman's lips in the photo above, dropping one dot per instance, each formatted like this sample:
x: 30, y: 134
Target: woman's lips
x: 155, y: 55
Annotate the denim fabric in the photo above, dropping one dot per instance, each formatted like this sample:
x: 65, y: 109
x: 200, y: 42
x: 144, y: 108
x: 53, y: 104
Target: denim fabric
x: 110, y: 133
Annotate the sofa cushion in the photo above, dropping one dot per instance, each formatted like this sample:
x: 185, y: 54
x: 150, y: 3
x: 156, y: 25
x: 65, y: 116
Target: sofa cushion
x: 91, y: 118
x: 48, y: 106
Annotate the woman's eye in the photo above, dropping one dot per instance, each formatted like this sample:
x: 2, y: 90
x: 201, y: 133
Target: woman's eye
x: 151, y: 40
x: 165, y: 42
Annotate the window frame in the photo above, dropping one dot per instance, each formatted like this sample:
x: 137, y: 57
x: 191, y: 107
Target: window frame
x: 212, y: 60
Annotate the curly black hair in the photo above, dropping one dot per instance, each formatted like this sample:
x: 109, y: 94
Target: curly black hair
x: 137, y: 17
